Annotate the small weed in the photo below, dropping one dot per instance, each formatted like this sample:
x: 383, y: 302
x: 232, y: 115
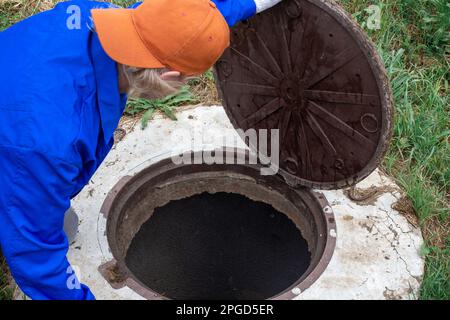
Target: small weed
x: 166, y: 105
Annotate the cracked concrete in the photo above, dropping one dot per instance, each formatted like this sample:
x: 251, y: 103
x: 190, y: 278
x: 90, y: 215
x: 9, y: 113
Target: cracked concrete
x: 377, y: 252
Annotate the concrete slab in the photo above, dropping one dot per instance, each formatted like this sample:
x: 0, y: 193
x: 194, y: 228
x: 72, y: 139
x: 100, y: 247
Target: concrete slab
x: 377, y: 253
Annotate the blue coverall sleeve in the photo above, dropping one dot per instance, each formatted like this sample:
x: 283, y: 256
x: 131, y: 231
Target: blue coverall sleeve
x: 135, y: 5
x: 232, y: 10
x: 36, y: 194
x: 236, y: 10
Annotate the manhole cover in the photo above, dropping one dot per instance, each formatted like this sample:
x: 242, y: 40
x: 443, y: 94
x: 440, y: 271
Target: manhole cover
x: 305, y: 68
x: 215, y: 232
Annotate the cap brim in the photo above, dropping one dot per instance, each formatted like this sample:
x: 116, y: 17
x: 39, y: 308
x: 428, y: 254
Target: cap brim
x: 120, y: 39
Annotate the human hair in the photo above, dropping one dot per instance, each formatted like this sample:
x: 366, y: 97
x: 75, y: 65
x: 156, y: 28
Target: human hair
x: 147, y: 83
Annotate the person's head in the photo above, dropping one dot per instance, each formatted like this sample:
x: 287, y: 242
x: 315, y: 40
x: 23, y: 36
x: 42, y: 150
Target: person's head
x: 160, y: 43
x: 149, y: 83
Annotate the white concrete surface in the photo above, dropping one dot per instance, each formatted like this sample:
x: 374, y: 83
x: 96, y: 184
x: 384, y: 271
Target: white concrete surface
x: 377, y: 253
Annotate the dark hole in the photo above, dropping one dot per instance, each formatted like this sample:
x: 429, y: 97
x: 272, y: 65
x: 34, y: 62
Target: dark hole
x: 218, y: 246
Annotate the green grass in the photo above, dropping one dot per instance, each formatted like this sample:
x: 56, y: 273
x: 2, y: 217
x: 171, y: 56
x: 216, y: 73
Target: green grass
x: 6, y: 293
x: 200, y: 89
x: 414, y: 44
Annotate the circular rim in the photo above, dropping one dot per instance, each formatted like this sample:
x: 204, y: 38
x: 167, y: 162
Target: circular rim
x: 165, y: 172
x: 224, y: 69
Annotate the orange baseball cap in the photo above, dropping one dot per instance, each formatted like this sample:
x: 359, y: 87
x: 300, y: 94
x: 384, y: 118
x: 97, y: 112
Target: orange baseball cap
x: 184, y: 35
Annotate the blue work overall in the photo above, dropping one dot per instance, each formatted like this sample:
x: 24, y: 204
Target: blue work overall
x: 59, y: 107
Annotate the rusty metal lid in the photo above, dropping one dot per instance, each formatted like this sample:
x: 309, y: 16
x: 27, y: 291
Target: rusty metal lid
x: 304, y: 67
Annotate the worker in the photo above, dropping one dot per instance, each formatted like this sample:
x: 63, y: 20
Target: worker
x: 66, y: 75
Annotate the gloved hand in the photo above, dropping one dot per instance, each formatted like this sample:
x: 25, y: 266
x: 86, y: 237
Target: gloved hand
x: 238, y: 10
x: 262, y: 5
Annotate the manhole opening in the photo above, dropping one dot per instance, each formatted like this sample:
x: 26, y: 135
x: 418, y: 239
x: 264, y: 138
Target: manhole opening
x: 220, y: 231
x: 218, y: 246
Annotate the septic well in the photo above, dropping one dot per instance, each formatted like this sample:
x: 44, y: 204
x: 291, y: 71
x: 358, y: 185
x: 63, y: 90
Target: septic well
x: 218, y: 246
x: 215, y: 232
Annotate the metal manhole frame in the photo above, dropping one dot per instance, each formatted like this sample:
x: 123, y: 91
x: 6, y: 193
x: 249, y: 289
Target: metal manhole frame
x: 117, y: 273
